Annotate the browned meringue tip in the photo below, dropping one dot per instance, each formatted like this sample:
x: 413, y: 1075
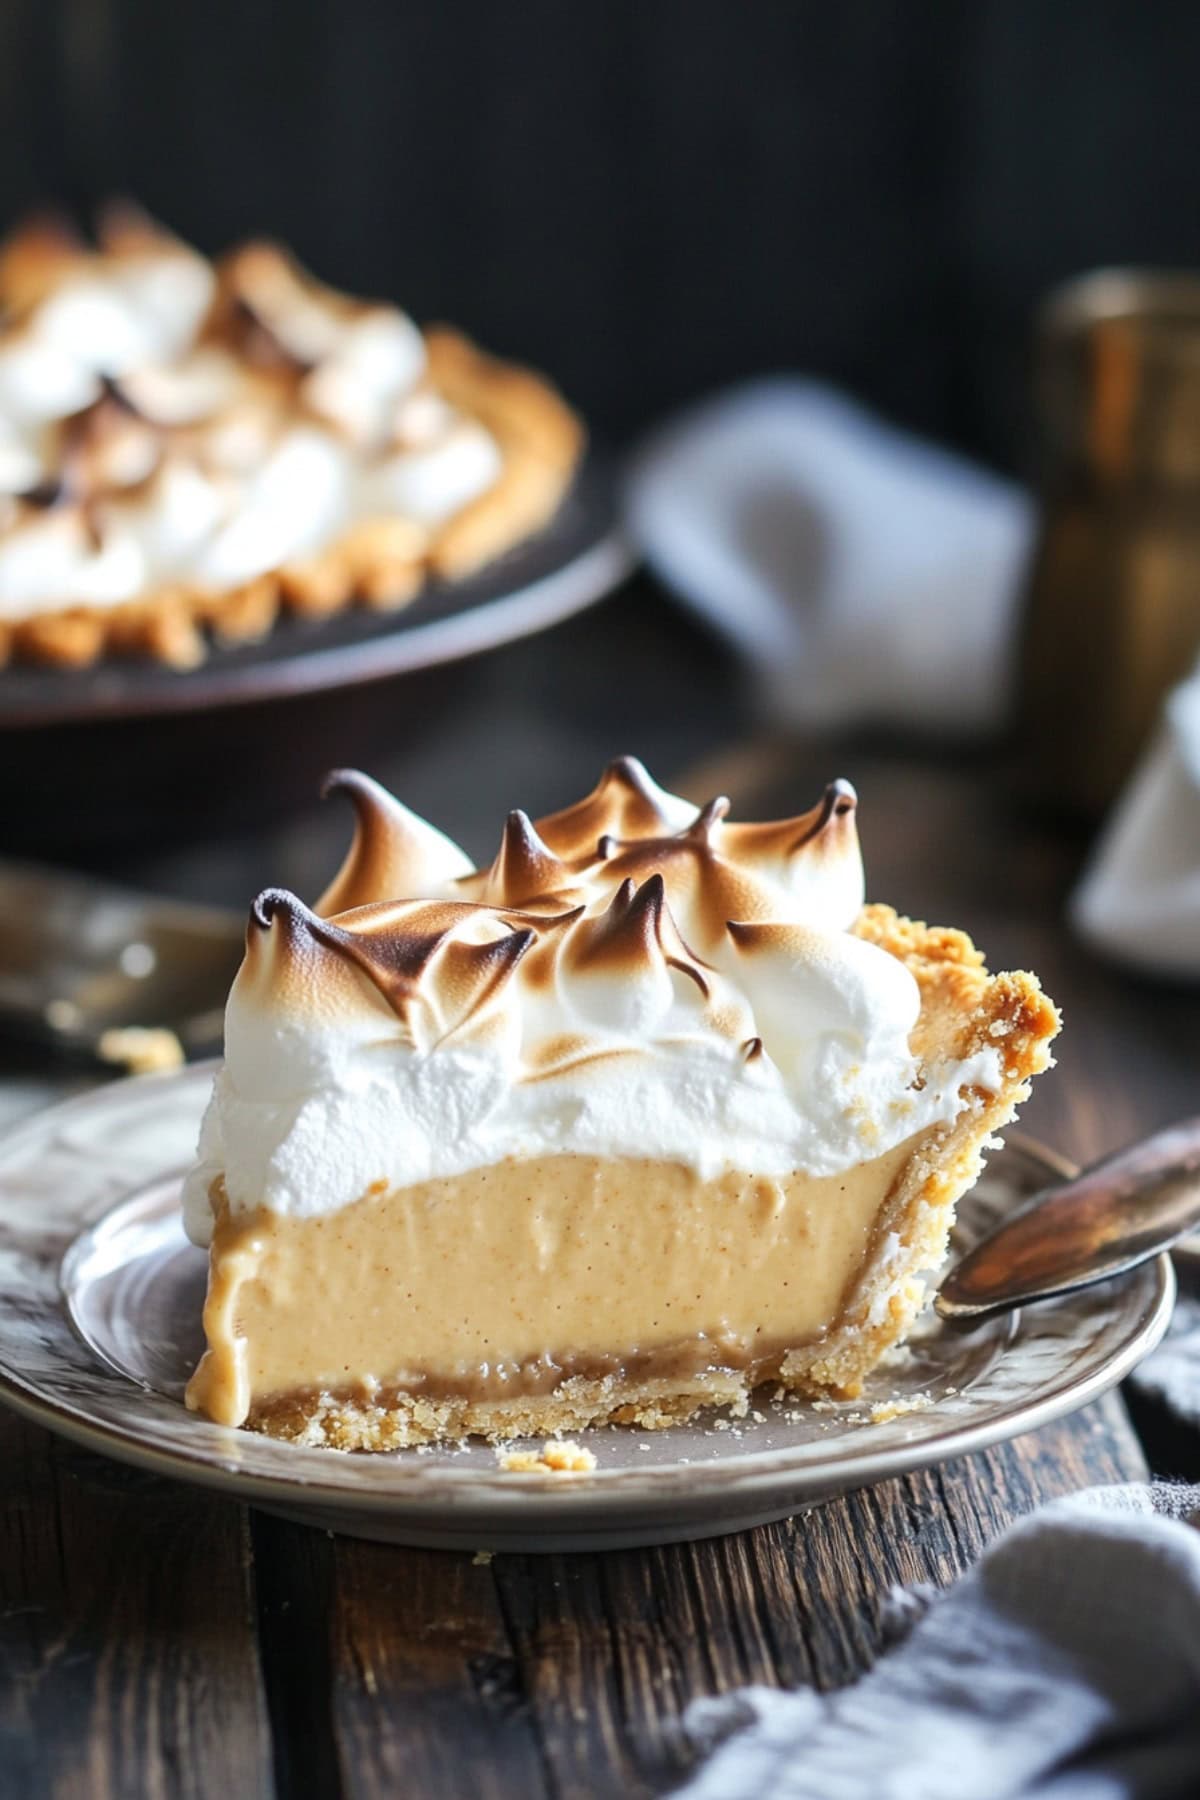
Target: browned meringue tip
x: 629, y: 927
x: 256, y: 260
x: 264, y: 280
x: 110, y: 437
x: 623, y: 897
x: 708, y: 818
x: 630, y: 772
x: 839, y: 800
x: 626, y: 798
x: 830, y: 823
x: 360, y: 787
x: 123, y: 228
x: 525, y: 865
x: 300, y: 929
x: 277, y: 902
x: 35, y: 253
x: 394, y: 853
x: 636, y: 926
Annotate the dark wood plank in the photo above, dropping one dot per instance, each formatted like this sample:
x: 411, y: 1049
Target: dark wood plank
x: 392, y: 1672
x: 293, y: 1570
x: 610, y: 1649
x: 127, y: 1640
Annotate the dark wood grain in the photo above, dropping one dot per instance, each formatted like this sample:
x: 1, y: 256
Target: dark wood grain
x: 587, y: 1662
x: 391, y: 1671
x: 128, y: 1654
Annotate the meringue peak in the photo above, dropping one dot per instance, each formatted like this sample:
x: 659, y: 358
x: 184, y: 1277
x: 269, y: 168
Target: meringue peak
x: 626, y: 802
x: 594, y: 912
x: 394, y: 852
x: 525, y: 866
x: 627, y: 829
x: 635, y: 927
x: 438, y: 965
x: 312, y: 946
x: 708, y: 818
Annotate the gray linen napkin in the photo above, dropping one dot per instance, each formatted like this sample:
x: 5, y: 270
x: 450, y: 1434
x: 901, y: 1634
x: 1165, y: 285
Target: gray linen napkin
x: 1172, y: 1374
x: 1065, y: 1666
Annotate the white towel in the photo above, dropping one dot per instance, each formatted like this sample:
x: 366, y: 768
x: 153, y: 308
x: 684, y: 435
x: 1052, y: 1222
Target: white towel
x: 865, y: 575
x: 1065, y: 1666
x: 1139, y: 899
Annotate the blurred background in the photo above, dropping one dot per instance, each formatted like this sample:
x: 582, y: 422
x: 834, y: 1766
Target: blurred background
x: 649, y: 200
x: 653, y: 201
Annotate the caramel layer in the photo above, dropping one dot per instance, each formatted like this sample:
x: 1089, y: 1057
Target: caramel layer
x: 704, y: 1353
x: 511, y: 1279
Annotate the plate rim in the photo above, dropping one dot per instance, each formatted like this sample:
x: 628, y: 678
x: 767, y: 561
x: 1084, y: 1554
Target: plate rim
x: 745, y: 1480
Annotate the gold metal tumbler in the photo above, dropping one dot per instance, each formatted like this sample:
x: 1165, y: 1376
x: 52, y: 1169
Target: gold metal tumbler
x: 1112, y: 609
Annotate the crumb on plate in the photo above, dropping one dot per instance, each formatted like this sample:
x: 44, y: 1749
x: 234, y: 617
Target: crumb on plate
x: 556, y: 1457
x: 141, y: 1049
x: 883, y: 1410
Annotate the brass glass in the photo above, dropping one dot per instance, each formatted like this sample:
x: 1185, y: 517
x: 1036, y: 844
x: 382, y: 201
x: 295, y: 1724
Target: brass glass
x: 1112, y: 616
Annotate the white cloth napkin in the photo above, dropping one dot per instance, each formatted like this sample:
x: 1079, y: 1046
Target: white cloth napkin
x: 1140, y: 895
x: 865, y: 575
x: 1065, y: 1666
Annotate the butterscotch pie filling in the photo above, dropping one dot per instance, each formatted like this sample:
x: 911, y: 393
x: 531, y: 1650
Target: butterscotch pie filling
x: 646, y: 1112
x: 189, y: 448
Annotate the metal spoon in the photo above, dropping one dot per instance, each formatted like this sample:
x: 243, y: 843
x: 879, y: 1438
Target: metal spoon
x: 1115, y: 1215
x: 80, y: 958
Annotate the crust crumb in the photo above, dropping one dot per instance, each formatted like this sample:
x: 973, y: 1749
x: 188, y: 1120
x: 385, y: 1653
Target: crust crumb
x: 556, y: 1457
x: 141, y: 1049
x: 883, y: 1410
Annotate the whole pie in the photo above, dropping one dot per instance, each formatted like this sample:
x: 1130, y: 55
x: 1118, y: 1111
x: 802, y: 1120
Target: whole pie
x: 645, y: 1112
x: 187, y: 447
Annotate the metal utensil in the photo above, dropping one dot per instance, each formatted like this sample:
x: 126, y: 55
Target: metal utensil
x: 80, y: 958
x: 1116, y: 1214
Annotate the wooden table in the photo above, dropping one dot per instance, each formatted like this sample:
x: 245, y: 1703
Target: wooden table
x: 157, y: 1641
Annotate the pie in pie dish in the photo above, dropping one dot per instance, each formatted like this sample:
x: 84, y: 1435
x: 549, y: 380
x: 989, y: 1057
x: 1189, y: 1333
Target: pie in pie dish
x: 649, y: 1110
x: 186, y: 448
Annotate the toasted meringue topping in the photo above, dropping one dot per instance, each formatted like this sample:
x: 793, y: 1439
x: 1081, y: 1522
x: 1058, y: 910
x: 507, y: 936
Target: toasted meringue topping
x: 201, y: 424
x: 631, y: 976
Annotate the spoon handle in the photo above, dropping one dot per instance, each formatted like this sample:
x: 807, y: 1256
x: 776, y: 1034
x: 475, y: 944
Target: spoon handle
x: 1117, y: 1213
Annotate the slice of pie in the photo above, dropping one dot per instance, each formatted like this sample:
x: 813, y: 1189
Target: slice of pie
x: 187, y: 447
x: 648, y: 1111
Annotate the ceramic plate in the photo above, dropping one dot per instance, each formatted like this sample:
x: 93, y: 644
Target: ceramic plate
x: 100, y: 1298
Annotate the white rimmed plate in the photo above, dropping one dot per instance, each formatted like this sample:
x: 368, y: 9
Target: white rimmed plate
x: 100, y: 1297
